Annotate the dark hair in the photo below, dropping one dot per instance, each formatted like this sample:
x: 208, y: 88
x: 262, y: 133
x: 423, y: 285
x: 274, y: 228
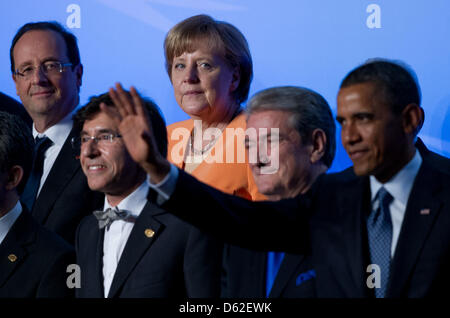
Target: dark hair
x: 16, y: 146
x: 309, y: 111
x: 395, y: 80
x: 71, y: 41
x: 92, y: 108
x: 221, y: 36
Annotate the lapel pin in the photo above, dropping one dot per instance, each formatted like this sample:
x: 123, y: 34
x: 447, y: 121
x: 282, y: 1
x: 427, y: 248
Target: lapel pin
x: 12, y: 258
x: 149, y: 232
x: 425, y: 212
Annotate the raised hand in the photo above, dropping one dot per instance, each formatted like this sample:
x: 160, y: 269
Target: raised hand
x: 135, y: 127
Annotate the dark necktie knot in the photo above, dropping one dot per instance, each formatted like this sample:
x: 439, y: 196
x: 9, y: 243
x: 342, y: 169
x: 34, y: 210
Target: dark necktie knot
x: 106, y: 217
x: 384, y: 197
x: 42, y: 144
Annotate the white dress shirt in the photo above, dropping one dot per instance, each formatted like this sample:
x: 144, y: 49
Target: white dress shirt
x: 399, y: 186
x: 116, y: 236
x: 8, y: 220
x: 57, y: 134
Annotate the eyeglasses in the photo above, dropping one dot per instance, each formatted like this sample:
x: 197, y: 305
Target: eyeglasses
x: 101, y: 139
x: 49, y: 68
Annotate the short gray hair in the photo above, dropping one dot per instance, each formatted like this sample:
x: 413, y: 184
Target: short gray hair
x: 309, y: 109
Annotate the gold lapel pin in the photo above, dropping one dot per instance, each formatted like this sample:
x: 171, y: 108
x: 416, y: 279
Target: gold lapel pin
x: 149, y: 232
x: 12, y: 258
x: 425, y: 212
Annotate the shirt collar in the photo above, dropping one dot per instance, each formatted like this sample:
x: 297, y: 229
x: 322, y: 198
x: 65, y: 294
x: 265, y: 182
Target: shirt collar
x: 57, y: 133
x: 7, y: 220
x: 134, y: 202
x: 400, y: 185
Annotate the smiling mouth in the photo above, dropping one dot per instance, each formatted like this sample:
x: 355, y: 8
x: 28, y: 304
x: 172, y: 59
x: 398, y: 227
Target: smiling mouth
x: 96, y: 167
x: 46, y: 93
x: 355, y: 155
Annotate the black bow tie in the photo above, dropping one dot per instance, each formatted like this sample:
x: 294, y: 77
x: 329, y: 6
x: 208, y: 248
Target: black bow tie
x: 106, y: 217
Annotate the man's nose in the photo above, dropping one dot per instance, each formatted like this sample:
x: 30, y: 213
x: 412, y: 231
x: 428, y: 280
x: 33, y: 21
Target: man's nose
x: 350, y: 134
x: 38, y: 76
x: 90, y: 149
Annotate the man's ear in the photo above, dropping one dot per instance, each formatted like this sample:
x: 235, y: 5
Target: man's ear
x: 412, y: 119
x: 15, y: 175
x: 319, y: 142
x: 15, y: 82
x: 79, y: 75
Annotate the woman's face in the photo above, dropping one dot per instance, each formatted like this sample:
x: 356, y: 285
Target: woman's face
x: 204, y: 83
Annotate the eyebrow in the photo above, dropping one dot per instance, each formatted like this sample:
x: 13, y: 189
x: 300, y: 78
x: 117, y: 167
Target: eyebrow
x: 339, y: 119
x: 53, y: 59
x: 100, y: 131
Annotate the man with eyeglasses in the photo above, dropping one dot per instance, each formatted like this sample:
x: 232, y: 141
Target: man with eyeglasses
x: 133, y: 248
x: 46, y: 68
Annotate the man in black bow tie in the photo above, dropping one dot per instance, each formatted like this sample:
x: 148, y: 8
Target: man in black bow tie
x: 134, y: 248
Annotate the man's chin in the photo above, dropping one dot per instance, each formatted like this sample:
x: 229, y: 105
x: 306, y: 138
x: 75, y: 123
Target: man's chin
x: 361, y: 171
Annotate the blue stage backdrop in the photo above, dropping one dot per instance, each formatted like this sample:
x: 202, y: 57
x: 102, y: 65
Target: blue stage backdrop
x: 311, y: 43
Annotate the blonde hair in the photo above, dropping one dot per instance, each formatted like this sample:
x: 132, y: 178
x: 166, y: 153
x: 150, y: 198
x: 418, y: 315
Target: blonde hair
x: 222, y: 37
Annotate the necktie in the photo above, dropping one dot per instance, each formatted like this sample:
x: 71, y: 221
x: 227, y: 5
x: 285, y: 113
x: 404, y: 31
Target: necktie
x: 106, y: 217
x: 31, y: 188
x: 274, y: 260
x: 379, y: 228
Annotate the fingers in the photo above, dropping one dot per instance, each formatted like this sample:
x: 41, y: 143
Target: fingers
x: 137, y: 101
x: 115, y: 98
x: 125, y: 100
x: 127, y: 103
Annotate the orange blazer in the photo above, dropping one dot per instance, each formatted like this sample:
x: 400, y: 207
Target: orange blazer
x: 225, y: 167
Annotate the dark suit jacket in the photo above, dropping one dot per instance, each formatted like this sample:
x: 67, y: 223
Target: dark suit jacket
x: 436, y: 160
x: 178, y: 261
x: 10, y: 105
x: 244, y: 275
x: 41, y: 261
x: 331, y: 221
x: 65, y: 197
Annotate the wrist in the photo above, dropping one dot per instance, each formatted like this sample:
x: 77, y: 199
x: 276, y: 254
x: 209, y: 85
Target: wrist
x: 157, y: 170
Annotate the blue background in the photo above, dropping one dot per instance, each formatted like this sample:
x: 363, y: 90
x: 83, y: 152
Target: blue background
x: 311, y: 43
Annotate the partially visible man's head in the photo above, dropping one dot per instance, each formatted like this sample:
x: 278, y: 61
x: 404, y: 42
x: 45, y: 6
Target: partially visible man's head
x: 380, y: 114
x: 16, y: 149
x: 45, y: 63
x: 104, y: 158
x: 306, y: 138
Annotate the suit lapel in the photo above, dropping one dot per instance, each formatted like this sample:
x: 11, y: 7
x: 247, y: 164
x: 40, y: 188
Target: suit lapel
x: 12, y: 249
x: 98, y: 288
x: 353, y: 209
x: 287, y: 270
x: 138, y: 243
x: 64, y: 168
x: 423, y: 206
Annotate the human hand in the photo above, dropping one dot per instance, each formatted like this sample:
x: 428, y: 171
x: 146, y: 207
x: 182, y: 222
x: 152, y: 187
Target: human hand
x: 135, y: 127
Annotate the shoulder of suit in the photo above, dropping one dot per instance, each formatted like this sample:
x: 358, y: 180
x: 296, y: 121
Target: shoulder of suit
x: 88, y: 222
x: 50, y: 242
x: 340, y: 177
